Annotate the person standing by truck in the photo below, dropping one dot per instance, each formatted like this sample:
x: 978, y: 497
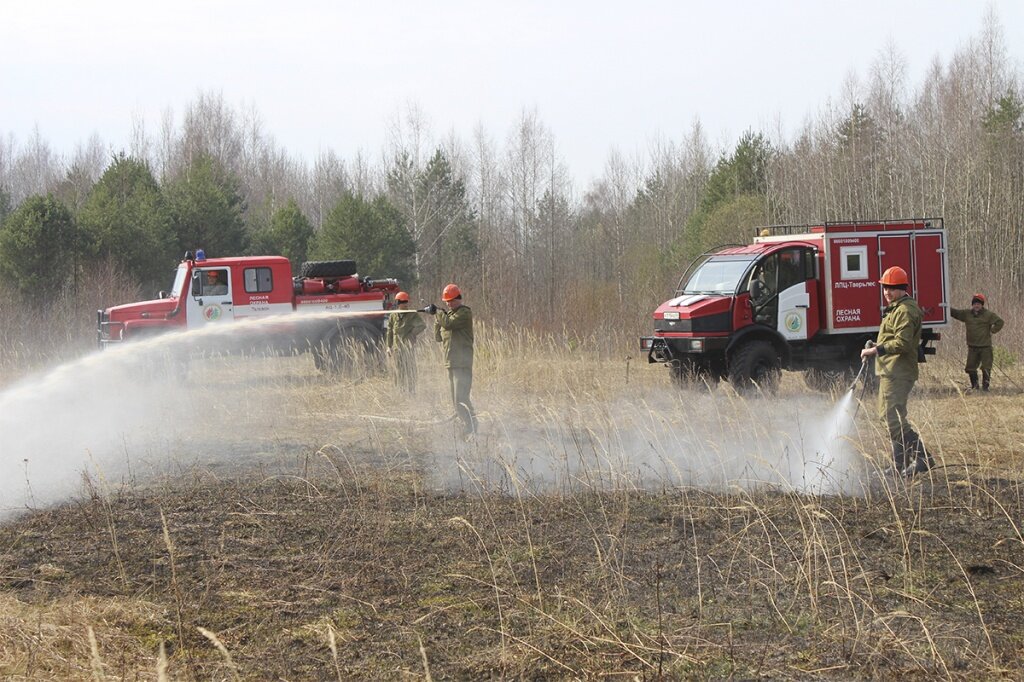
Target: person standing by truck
x: 896, y: 357
x: 453, y: 328
x: 981, y: 324
x: 400, y: 340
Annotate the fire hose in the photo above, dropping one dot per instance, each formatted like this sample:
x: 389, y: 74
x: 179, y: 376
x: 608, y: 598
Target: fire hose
x: 860, y: 373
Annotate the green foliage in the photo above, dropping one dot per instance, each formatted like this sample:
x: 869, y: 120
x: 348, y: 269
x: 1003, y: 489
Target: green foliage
x: 437, y: 214
x: 452, y: 228
x: 743, y: 174
x: 1007, y: 116
x: 126, y: 220
x: 733, y: 221
x: 206, y: 209
x: 40, y: 248
x: 856, y: 130
x: 5, y: 205
x: 288, y: 234
x: 1003, y: 357
x: 373, y: 233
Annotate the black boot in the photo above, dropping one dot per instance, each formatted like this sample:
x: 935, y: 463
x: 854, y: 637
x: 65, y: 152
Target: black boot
x: 899, y: 455
x: 974, y: 380
x: 921, y: 459
x: 986, y: 376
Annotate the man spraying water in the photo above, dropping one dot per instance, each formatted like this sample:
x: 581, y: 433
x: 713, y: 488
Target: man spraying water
x: 896, y: 356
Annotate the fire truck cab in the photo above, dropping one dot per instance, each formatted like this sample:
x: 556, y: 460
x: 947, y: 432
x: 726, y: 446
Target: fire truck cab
x: 803, y: 298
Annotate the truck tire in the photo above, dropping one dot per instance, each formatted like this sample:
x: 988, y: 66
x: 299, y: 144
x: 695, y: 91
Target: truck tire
x: 328, y: 268
x: 353, y: 351
x: 755, y: 366
x: 828, y: 380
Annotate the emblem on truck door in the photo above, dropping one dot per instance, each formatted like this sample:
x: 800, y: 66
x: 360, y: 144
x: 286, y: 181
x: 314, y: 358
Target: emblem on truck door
x: 794, y: 322
x: 211, y: 313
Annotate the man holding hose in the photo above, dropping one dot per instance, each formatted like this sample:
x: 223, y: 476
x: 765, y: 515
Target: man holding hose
x: 453, y: 328
x: 896, y: 357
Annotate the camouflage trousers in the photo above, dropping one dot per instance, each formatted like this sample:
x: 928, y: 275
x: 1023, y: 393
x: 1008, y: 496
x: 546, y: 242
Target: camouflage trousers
x: 979, y: 356
x: 460, y: 382
x: 893, y: 395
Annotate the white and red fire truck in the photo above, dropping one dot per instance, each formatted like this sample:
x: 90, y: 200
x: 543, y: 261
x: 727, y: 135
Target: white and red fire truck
x: 803, y: 298
x: 215, y: 291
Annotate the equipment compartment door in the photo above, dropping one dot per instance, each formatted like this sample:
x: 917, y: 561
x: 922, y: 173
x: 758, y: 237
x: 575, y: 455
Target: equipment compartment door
x: 894, y: 250
x: 930, y: 277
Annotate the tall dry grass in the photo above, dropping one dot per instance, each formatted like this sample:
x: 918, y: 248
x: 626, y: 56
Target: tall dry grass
x: 567, y: 540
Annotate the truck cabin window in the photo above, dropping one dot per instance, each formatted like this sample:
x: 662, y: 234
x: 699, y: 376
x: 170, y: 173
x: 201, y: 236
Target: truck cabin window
x: 258, y: 280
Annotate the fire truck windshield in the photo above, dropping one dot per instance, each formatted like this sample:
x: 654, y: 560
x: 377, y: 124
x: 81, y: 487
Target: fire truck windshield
x: 716, y: 276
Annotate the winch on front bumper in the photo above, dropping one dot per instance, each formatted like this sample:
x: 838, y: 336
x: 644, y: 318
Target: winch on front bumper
x: 662, y: 349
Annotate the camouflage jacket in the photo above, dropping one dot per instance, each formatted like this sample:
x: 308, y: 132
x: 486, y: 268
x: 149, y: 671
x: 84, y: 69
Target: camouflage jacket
x: 898, y: 340
x: 980, y: 327
x: 403, y: 328
x: 454, y: 329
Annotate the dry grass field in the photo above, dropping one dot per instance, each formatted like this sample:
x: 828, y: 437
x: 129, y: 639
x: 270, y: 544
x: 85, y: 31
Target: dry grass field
x: 602, y: 524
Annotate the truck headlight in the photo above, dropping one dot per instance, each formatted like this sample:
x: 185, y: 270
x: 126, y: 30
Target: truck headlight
x: 697, y: 344
x: 671, y: 316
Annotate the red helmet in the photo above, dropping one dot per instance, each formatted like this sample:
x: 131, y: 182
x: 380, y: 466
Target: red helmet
x: 978, y: 297
x: 894, y: 277
x: 450, y: 293
x: 401, y: 297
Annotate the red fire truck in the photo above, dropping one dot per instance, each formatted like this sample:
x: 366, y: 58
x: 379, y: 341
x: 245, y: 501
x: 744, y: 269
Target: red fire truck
x: 803, y: 298
x: 215, y: 291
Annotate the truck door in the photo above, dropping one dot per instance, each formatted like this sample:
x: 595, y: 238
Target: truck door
x: 794, y: 299
x: 894, y: 250
x: 930, y: 276
x: 209, y: 300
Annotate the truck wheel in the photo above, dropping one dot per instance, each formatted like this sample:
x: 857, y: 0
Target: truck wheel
x: 755, y: 366
x: 828, y: 380
x: 353, y: 352
x: 328, y: 268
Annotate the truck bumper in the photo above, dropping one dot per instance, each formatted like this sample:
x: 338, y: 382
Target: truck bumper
x: 107, y: 332
x: 665, y: 350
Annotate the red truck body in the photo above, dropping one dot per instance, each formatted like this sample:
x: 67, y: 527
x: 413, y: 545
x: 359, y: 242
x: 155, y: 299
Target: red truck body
x: 208, y: 291
x: 807, y: 296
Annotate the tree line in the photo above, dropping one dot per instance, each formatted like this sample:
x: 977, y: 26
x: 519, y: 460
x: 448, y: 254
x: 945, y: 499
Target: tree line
x: 504, y: 218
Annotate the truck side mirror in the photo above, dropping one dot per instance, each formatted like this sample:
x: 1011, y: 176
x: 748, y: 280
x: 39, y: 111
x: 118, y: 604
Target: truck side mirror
x: 161, y: 294
x: 196, y: 283
x: 756, y: 289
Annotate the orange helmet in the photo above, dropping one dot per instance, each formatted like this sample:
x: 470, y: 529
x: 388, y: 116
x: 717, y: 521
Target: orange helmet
x: 894, y: 277
x: 450, y: 293
x: 978, y: 297
x: 401, y: 297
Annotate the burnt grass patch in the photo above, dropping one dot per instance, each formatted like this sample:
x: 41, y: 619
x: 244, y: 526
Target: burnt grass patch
x: 370, y: 574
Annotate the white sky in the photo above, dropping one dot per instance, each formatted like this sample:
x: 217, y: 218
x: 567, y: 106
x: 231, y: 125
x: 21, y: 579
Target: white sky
x: 600, y: 75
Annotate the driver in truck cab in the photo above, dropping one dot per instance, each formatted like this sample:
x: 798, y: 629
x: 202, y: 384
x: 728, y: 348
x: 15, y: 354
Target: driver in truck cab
x: 216, y: 283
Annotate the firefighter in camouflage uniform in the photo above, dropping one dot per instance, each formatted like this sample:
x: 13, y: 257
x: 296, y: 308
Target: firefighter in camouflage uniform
x: 896, y: 357
x: 400, y: 340
x: 981, y: 324
x: 453, y: 328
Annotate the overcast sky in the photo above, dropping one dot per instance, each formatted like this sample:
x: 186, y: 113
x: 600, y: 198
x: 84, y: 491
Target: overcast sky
x: 600, y: 75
